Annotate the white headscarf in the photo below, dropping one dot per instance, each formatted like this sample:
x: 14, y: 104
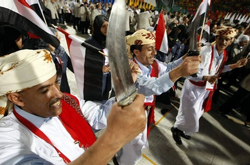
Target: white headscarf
x: 21, y: 70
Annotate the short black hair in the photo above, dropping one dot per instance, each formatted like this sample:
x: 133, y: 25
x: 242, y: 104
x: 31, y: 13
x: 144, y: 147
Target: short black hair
x: 137, y: 47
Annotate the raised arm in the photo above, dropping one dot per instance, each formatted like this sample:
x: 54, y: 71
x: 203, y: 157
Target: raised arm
x: 124, y: 124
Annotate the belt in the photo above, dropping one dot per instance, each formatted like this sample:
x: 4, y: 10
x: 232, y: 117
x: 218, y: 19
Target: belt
x: 199, y: 83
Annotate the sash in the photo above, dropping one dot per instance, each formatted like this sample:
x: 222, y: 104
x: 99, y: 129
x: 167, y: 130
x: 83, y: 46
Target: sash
x: 207, y: 104
x: 151, y: 106
x: 73, y: 121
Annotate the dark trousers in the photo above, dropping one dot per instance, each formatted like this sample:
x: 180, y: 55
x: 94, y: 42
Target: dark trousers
x: 84, y: 27
x: 77, y: 23
x: 54, y: 22
x: 245, y: 108
x: 236, y: 100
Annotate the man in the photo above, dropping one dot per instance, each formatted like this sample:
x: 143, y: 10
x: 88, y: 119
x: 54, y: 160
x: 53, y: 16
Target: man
x: 142, y: 46
x: 234, y: 54
x: 52, y: 6
x: 96, y: 11
x: 76, y: 23
x: 197, y: 91
x: 143, y: 20
x: 46, y: 126
x: 240, y: 98
x: 84, y: 14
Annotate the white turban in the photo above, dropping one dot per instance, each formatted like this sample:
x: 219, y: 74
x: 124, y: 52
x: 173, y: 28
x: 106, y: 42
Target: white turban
x: 21, y: 70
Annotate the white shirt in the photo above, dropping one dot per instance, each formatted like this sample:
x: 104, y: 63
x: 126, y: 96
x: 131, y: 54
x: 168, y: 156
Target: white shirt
x: 206, y: 53
x: 20, y: 146
x: 152, y: 85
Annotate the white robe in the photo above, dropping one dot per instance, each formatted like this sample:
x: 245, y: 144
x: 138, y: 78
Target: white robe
x: 149, y: 86
x: 192, y: 96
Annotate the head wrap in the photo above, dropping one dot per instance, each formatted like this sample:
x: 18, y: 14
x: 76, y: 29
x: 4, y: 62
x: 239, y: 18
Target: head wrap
x: 226, y: 31
x: 21, y: 70
x: 97, y: 34
x: 140, y: 37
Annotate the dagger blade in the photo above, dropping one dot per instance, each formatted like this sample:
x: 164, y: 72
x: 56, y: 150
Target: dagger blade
x: 120, y: 71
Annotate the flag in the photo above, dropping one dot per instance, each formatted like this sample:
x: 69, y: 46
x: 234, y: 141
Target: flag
x: 201, y: 12
x: 242, y: 19
x: 19, y: 14
x: 200, y: 16
x: 232, y: 18
x: 226, y: 16
x: 161, y: 41
x: 248, y: 21
x: 87, y: 64
x: 239, y: 18
x: 206, y: 33
x: 238, y: 15
x: 39, y: 7
x: 35, y: 5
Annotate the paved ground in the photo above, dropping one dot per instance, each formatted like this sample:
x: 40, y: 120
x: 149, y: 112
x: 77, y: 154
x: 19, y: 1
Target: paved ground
x: 220, y: 141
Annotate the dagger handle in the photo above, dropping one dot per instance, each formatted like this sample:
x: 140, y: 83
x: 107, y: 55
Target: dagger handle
x: 193, y: 53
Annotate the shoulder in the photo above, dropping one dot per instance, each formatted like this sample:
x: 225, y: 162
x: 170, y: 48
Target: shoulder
x: 12, y: 130
x: 92, y: 41
x: 206, y: 50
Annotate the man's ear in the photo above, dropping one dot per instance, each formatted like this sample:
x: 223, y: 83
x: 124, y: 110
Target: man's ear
x: 16, y: 99
x: 136, y: 52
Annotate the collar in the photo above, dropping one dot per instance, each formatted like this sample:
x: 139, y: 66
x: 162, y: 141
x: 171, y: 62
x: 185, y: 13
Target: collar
x: 145, y: 70
x: 36, y: 120
x: 216, y: 54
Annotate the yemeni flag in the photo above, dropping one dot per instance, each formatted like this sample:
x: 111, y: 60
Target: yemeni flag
x: 87, y: 64
x: 19, y: 14
x: 35, y: 5
x: 200, y: 16
x: 161, y: 41
x: 39, y: 7
x: 206, y: 33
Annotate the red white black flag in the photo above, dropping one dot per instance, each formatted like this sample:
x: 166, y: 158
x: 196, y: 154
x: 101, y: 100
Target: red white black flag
x: 161, y: 41
x: 87, y: 64
x: 200, y: 14
x: 19, y: 14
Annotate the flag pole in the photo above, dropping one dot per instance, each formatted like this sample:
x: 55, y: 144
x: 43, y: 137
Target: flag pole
x: 85, y: 44
x: 42, y: 12
x: 202, y: 28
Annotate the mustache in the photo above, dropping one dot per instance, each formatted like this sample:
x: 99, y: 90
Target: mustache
x: 54, y: 101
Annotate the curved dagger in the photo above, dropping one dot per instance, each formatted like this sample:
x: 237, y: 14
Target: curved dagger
x: 120, y: 71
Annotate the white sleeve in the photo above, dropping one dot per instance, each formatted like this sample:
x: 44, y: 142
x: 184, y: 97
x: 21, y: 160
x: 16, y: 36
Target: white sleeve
x: 153, y: 86
x: 96, y: 113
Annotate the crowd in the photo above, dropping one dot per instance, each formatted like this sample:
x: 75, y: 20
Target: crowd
x: 36, y: 105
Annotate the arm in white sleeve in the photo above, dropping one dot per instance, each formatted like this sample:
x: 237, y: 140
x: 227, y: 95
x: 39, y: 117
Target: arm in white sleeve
x: 226, y: 68
x: 153, y: 86
x: 202, y: 66
x: 95, y: 113
x: 170, y: 66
